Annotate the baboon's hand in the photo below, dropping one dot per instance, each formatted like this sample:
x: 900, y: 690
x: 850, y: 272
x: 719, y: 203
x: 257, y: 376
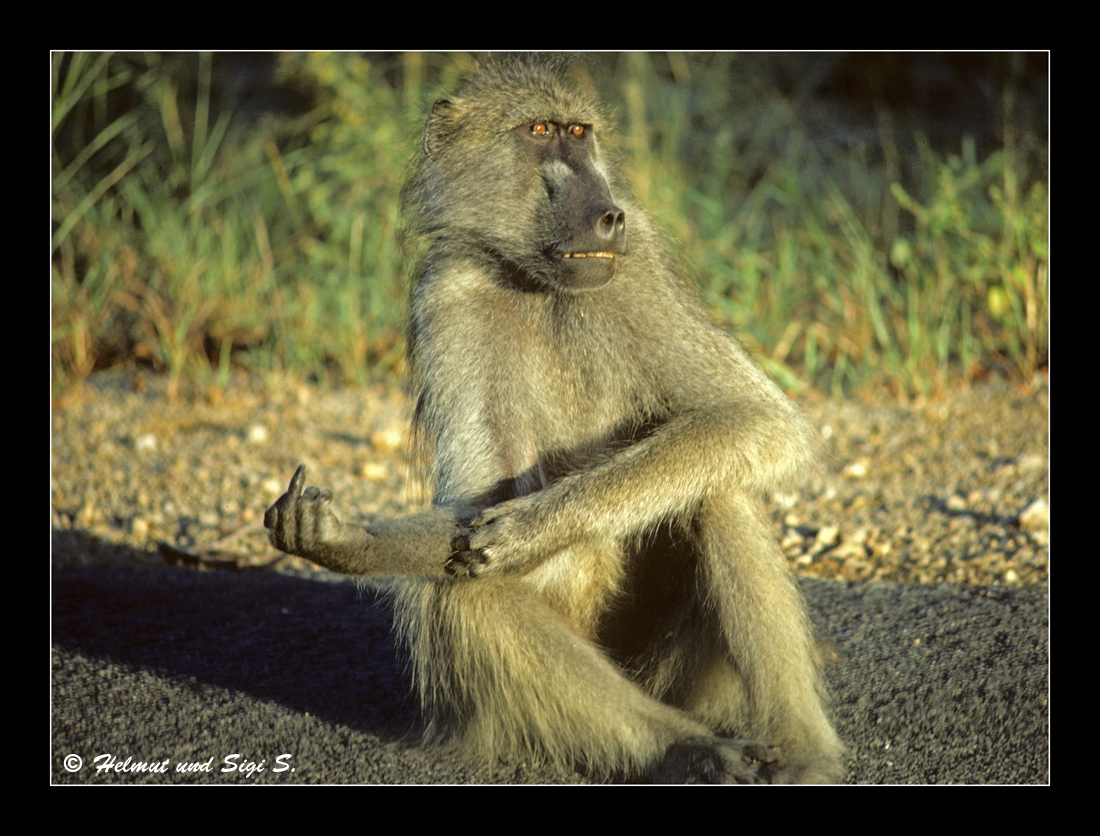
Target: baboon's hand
x: 302, y: 522
x: 464, y: 562
x: 504, y: 538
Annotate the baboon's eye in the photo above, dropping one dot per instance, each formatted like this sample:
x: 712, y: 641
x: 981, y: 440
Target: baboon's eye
x: 577, y: 130
x: 540, y: 129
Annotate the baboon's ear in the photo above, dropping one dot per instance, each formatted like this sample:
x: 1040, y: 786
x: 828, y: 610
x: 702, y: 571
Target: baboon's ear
x: 435, y: 132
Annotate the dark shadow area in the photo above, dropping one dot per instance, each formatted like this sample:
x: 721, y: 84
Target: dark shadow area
x: 934, y: 684
x: 320, y: 648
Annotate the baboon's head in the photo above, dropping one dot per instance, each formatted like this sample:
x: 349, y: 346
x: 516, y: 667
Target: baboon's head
x: 512, y: 171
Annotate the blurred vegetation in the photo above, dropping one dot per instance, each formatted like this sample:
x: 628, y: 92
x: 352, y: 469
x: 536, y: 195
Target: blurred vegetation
x: 198, y: 233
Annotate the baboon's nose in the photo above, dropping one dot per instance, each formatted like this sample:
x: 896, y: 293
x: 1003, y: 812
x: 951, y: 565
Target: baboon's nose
x: 611, y: 228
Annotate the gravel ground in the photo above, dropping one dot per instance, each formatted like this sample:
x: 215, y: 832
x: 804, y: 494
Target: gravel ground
x: 955, y: 490
x: 928, y: 526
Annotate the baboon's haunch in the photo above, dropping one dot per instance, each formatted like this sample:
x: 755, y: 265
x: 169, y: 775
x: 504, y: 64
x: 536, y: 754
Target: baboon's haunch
x: 597, y: 582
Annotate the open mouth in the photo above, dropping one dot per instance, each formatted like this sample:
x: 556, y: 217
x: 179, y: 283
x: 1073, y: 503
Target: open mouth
x: 588, y: 255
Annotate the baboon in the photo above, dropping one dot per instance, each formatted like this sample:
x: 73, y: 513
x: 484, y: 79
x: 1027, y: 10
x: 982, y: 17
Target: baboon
x: 596, y: 583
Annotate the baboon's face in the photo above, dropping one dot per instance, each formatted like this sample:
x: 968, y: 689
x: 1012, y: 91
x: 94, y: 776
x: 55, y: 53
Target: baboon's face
x: 584, y: 231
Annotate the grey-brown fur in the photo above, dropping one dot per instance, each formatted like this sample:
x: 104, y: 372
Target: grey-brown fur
x: 597, y: 582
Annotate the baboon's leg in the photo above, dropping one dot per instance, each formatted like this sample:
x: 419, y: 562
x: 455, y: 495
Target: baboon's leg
x: 499, y: 669
x: 763, y: 618
x: 302, y: 522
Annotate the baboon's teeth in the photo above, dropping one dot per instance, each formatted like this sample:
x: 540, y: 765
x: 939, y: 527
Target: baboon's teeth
x: 588, y: 255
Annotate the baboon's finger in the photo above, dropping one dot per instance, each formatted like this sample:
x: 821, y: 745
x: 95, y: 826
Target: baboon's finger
x: 297, y: 482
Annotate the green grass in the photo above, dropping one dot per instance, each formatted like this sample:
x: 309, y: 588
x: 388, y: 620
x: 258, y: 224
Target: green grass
x: 189, y: 242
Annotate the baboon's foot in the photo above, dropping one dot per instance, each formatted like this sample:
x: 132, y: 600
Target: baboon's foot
x: 818, y: 770
x: 717, y: 761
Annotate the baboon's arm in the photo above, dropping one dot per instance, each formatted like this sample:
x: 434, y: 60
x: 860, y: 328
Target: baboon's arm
x: 302, y: 522
x: 747, y: 450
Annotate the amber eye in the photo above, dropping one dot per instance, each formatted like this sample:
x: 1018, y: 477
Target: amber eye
x: 576, y: 130
x: 540, y: 129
